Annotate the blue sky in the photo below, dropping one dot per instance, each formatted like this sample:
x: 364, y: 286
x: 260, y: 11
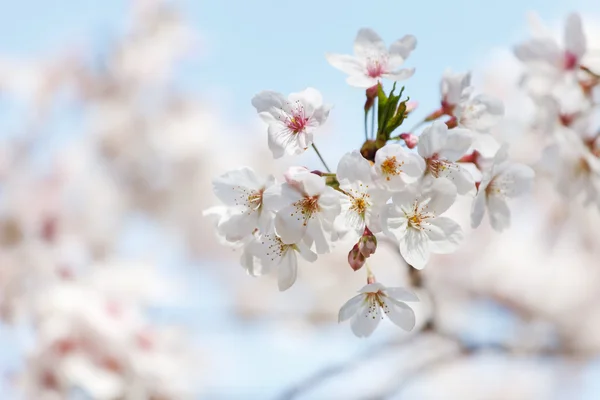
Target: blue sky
x: 280, y: 45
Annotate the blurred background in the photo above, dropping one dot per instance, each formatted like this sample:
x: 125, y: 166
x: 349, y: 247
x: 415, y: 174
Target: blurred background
x: 116, y: 115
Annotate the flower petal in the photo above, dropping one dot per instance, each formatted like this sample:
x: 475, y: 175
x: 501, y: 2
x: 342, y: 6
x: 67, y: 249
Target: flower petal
x: 233, y: 187
x: 287, y: 271
x: 442, y: 194
x: 368, y: 42
x: 365, y: 322
x: 354, y: 167
x: 306, y: 253
x: 414, y: 247
x: 289, y: 225
x: 478, y: 208
x: 361, y: 81
x: 401, y: 49
x: 575, y: 40
x: 399, y: 75
x: 433, y: 139
x: 445, y: 235
x: 399, y: 313
x: 401, y: 294
x: 351, y: 307
x: 267, y: 100
x: 499, y: 213
x: 345, y: 63
x: 457, y: 143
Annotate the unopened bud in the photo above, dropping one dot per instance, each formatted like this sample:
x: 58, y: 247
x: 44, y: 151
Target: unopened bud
x: 371, y: 95
x: 367, y: 244
x: 355, y: 258
x: 452, y: 123
x: 434, y: 115
x: 410, y: 140
x: 411, y: 106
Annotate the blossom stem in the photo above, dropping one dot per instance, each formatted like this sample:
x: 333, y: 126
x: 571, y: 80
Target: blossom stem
x: 321, y: 158
x: 366, y: 131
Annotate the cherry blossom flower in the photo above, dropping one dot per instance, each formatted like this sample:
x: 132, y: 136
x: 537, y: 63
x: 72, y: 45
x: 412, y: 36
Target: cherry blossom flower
x: 291, y: 122
x: 503, y: 180
x: 366, y: 309
x: 267, y: 251
x: 305, y: 214
x: 575, y: 169
x: 413, y: 220
x: 395, y: 167
x: 479, y: 114
x: 372, y: 61
x: 441, y: 148
x: 242, y: 192
x: 363, y: 200
x: 454, y: 87
x: 547, y: 62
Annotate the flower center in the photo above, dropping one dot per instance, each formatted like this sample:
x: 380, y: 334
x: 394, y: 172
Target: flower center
x: 251, y: 199
x: 391, y: 167
x: 437, y: 166
x: 583, y: 167
x: 375, y: 303
x: 297, y: 120
x: 307, y: 207
x: 255, y: 199
x: 570, y: 61
x: 376, y: 66
x: 417, y: 216
x: 276, y: 248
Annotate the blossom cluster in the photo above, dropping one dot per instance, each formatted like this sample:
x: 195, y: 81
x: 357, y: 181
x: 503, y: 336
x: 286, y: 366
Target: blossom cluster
x: 561, y: 80
x: 396, y: 185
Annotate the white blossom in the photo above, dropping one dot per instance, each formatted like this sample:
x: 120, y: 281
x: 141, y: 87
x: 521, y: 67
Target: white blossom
x: 395, y: 167
x: 292, y: 121
x: 504, y: 180
x: 454, y: 87
x: 366, y: 309
x: 479, y: 114
x: 441, y: 148
x: 413, y: 220
x: 372, y: 61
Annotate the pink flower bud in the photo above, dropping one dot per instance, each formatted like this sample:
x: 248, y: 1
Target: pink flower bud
x: 410, y: 140
x: 355, y: 258
x: 411, y: 105
x: 367, y: 244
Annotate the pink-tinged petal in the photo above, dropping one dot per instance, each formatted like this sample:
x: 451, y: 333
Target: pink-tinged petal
x: 351, y: 307
x: 444, y: 234
x: 289, y: 225
x: 367, y: 43
x: 287, y: 271
x: 348, y: 64
x: 499, y: 213
x: 354, y: 167
x: 399, y: 75
x: 433, y: 139
x: 268, y: 100
x: 575, y: 40
x: 414, y: 247
x: 365, y: 321
x: 442, y: 194
x: 399, y: 313
x: 361, y: 81
x: 478, y: 208
x: 401, y: 294
x: 457, y: 144
x: 306, y: 253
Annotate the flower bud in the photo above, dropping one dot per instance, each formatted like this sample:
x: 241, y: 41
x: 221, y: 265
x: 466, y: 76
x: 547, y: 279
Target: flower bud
x: 367, y: 244
x: 410, y: 140
x: 355, y: 258
x: 411, y: 106
x: 371, y: 94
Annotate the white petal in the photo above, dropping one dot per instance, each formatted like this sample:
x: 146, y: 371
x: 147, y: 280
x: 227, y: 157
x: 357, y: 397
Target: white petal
x: 364, y: 322
x: 361, y: 81
x: 445, y: 235
x: 354, y: 167
x: 539, y: 49
x: 485, y: 144
x: 481, y: 113
x: 310, y: 97
x: 401, y: 294
x: 399, y: 313
x: 306, y: 252
x: 316, y: 232
x: 442, y: 194
x: 414, y: 247
x: 519, y: 178
x: 575, y: 41
x: 321, y: 114
x: 268, y: 100
x: 287, y: 271
x: 457, y: 143
x: 478, y: 208
x: 460, y: 177
x: 351, y: 307
x: 372, y: 288
x: 401, y: 49
x: 433, y: 139
x: 499, y: 213
x: 289, y: 225
x: 348, y: 64
x: 238, y: 225
x: 233, y: 187
x: 368, y: 42
x: 399, y: 75
x: 312, y: 184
